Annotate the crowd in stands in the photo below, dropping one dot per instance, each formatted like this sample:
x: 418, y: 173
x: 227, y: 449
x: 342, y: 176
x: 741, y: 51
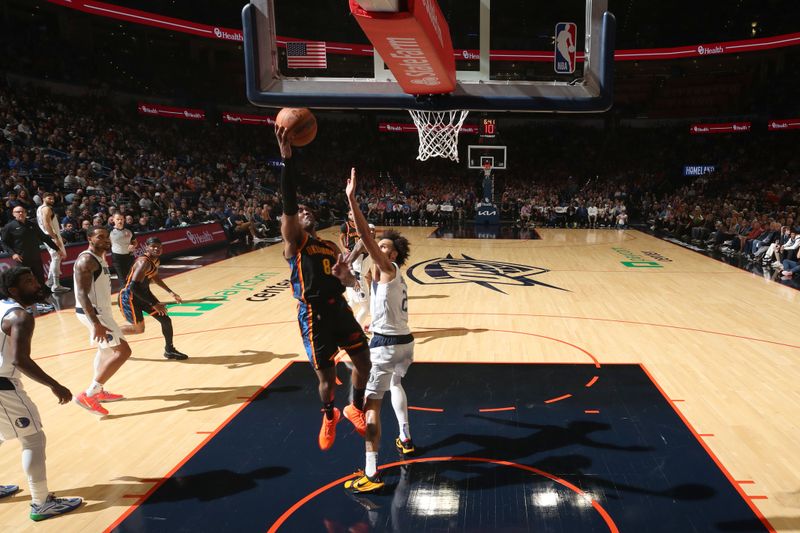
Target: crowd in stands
x: 747, y: 208
x: 100, y: 158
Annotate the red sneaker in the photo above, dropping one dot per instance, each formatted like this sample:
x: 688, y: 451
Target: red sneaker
x: 357, y: 417
x: 90, y: 403
x: 327, y: 433
x: 104, y: 397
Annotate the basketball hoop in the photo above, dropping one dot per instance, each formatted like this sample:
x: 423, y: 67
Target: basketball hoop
x: 438, y: 132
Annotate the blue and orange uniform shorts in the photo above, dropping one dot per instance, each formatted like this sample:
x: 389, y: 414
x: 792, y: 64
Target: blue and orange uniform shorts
x: 328, y: 325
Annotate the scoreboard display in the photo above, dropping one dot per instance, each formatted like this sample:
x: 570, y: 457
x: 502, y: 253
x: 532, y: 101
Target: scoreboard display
x: 488, y: 129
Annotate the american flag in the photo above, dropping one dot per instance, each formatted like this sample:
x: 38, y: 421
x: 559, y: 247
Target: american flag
x: 306, y: 55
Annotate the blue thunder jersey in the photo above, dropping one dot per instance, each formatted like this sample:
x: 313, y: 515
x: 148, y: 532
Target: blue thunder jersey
x: 312, y: 270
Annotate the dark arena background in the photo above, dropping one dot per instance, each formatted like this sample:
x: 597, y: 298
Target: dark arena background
x: 604, y: 301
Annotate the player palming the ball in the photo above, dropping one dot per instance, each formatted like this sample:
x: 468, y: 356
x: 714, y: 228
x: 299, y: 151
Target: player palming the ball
x: 326, y: 321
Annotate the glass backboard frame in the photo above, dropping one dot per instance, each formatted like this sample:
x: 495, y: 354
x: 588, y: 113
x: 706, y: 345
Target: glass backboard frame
x: 268, y: 87
x: 477, y: 152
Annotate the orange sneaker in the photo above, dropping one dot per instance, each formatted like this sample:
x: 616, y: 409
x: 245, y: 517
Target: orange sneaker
x: 327, y: 433
x: 104, y: 397
x: 357, y: 417
x: 90, y: 403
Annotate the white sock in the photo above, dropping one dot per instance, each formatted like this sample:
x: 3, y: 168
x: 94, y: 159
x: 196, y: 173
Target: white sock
x: 94, y: 388
x: 96, y: 362
x: 33, y: 464
x: 400, y: 406
x: 372, y: 464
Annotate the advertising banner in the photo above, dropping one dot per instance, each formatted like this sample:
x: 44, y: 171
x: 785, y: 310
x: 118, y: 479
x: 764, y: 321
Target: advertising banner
x: 727, y: 127
x: 547, y: 56
x: 176, y: 241
x: 698, y: 170
x: 242, y: 118
x: 402, y: 127
x: 183, y: 113
x: 784, y: 124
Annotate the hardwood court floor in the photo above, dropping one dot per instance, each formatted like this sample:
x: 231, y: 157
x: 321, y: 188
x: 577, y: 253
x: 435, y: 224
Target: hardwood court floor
x: 720, y: 342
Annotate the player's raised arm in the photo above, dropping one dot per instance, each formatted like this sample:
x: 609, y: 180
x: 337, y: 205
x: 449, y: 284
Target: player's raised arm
x: 378, y: 257
x: 291, y: 230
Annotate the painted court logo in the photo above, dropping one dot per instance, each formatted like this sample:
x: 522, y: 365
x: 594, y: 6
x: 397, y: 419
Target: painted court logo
x: 489, y: 274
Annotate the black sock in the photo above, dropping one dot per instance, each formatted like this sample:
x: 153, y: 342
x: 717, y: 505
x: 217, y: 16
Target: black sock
x: 358, y: 398
x: 166, y: 329
x: 327, y: 408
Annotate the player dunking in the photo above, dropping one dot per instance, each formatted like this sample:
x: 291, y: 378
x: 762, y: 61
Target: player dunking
x: 326, y: 322
x: 93, y: 308
x: 392, y: 344
x: 20, y: 418
x: 136, y: 297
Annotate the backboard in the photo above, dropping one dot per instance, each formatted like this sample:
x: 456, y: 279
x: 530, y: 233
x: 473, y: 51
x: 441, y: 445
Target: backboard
x: 480, y: 154
x: 504, y: 55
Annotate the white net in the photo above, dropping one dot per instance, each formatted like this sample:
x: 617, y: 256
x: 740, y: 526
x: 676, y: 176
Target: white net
x: 438, y: 132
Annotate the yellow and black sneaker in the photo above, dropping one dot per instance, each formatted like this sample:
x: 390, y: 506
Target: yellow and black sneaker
x: 405, y: 447
x: 364, y: 483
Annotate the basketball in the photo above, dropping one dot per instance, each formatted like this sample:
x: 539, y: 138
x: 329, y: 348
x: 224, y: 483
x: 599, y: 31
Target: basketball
x: 300, y: 123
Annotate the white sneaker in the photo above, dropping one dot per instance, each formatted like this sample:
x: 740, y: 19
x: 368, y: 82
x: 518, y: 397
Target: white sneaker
x: 53, y: 506
x: 44, y: 308
x: 8, y: 490
x: 777, y: 264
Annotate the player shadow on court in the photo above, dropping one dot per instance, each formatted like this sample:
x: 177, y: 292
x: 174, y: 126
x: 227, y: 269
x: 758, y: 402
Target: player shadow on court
x: 248, y: 358
x: 204, y: 487
x: 575, y: 468
x: 430, y: 334
x: 206, y: 398
x: 546, y: 437
x: 392, y: 511
x: 473, y: 480
x: 550, y: 437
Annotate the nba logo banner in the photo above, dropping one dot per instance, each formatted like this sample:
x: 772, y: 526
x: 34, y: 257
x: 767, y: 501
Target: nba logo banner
x: 565, y: 56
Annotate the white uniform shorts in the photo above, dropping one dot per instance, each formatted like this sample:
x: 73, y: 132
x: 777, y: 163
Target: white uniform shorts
x: 114, y: 336
x: 387, y: 361
x: 19, y: 417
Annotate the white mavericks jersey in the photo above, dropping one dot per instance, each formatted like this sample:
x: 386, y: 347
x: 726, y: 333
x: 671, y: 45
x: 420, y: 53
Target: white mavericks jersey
x: 100, y: 293
x: 389, y: 306
x: 7, y: 370
x: 50, y: 224
x: 361, y: 266
x: 358, y: 266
